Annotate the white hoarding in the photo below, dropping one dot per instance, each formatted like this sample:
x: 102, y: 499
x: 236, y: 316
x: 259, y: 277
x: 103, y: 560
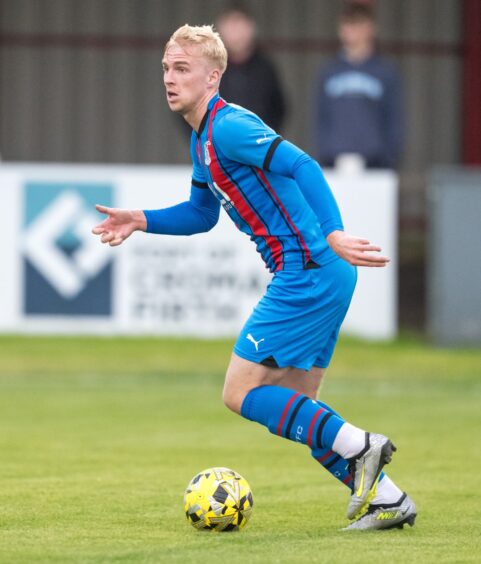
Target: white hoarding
x: 368, y: 203
x: 57, y: 277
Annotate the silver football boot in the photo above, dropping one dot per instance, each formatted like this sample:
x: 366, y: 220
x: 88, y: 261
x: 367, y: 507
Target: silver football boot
x: 386, y: 516
x: 365, y: 469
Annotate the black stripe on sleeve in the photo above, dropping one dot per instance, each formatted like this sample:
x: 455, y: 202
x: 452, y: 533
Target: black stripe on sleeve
x: 198, y: 184
x: 270, y: 152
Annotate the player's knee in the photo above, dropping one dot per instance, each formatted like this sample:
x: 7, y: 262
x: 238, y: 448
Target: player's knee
x: 232, y: 399
x: 233, y: 396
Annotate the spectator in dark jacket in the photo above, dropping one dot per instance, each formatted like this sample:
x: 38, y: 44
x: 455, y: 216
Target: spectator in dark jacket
x: 358, y: 98
x: 251, y: 79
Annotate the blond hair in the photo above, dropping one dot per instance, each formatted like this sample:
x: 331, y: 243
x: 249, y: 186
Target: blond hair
x: 206, y: 38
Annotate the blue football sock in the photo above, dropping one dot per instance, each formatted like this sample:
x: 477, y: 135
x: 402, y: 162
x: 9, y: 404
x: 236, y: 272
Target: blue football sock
x: 331, y: 461
x: 292, y: 415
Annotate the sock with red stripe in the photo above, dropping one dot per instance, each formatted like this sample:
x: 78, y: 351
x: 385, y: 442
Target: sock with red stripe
x: 293, y: 416
x: 332, y: 462
x: 296, y: 417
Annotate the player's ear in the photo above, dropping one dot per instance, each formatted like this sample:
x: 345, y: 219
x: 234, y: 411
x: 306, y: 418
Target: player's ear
x: 213, y: 77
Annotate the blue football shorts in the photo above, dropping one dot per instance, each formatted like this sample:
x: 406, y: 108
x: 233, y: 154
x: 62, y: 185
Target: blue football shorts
x: 297, y: 321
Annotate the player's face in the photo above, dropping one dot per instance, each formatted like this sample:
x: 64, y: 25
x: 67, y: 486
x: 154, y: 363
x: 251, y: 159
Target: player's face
x: 187, y: 78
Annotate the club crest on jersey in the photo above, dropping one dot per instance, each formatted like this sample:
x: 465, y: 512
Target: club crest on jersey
x: 207, y: 159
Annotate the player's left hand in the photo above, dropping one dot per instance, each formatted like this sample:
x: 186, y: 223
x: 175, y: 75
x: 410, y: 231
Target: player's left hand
x: 356, y: 250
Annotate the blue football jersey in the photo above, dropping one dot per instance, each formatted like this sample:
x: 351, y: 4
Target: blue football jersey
x: 231, y: 154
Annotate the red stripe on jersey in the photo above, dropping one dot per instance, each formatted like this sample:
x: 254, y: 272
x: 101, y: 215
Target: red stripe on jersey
x: 238, y: 200
x: 347, y: 479
x: 307, y: 252
x: 285, y: 412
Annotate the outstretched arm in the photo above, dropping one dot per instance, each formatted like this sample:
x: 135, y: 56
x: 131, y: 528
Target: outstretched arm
x: 248, y: 140
x: 290, y: 161
x: 199, y: 214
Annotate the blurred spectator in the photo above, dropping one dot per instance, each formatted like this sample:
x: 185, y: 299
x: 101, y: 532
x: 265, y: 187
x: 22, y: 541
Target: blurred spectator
x: 251, y: 79
x: 358, y: 97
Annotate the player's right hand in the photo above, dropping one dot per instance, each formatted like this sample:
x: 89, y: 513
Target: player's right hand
x: 119, y: 224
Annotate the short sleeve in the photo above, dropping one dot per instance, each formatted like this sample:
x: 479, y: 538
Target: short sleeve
x: 245, y: 138
x: 198, y: 177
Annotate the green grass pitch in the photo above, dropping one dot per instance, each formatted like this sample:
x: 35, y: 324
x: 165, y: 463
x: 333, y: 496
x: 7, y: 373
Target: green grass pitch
x: 99, y: 438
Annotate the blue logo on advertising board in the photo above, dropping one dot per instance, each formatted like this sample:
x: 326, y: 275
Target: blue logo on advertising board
x: 67, y: 271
